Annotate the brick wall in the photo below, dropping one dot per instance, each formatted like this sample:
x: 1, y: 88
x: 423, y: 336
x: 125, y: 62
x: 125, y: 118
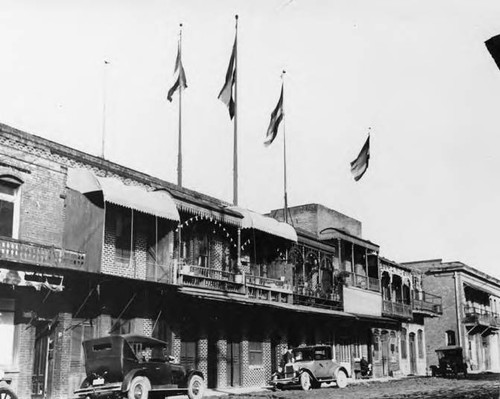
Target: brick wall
x: 21, y: 382
x: 62, y: 357
x: 436, y: 327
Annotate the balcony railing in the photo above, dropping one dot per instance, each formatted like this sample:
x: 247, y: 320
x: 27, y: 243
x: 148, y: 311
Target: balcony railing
x: 25, y: 252
x: 203, y: 277
x: 317, y: 298
x: 398, y: 309
x: 429, y: 303
x: 367, y: 283
x: 268, y: 289
x: 475, y: 316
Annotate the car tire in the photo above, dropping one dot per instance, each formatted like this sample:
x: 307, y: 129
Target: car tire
x: 305, y: 381
x: 196, y: 387
x: 139, y: 388
x: 6, y: 393
x: 341, y: 379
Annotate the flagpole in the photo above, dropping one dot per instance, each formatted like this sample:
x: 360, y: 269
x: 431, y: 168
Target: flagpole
x: 103, y: 133
x: 235, y: 150
x: 284, y: 149
x: 179, y: 155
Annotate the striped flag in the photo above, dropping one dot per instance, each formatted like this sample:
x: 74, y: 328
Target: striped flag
x: 226, y: 94
x: 493, y: 46
x: 360, y: 164
x: 180, y: 80
x: 276, y: 118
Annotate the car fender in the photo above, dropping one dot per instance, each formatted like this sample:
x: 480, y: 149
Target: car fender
x: 189, y: 374
x: 340, y: 368
x: 130, y: 376
x: 304, y: 370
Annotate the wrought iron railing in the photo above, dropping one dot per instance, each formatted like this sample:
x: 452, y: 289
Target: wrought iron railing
x: 399, y: 309
x: 474, y: 315
x: 268, y: 289
x: 203, y: 277
x: 18, y: 251
x: 423, y: 301
x: 303, y: 295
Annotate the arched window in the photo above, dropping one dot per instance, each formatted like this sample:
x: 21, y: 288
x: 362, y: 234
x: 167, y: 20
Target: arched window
x: 420, y: 343
x: 450, y: 338
x: 404, y: 352
x: 9, y: 206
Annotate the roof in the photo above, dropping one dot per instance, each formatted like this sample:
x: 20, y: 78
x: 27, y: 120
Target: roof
x: 254, y: 220
x: 332, y: 233
x: 396, y: 264
x: 186, y: 199
x: 156, y: 203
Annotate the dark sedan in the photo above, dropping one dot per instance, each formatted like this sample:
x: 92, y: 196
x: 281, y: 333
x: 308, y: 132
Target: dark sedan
x: 135, y: 365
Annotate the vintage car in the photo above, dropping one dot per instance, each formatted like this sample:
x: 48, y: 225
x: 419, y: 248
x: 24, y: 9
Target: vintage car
x: 311, y: 366
x: 451, y: 362
x: 135, y: 366
x: 6, y: 391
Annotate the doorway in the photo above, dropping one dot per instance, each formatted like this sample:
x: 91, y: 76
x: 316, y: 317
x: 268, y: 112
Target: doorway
x: 233, y: 366
x: 42, y: 362
x: 384, y: 341
x: 413, y: 354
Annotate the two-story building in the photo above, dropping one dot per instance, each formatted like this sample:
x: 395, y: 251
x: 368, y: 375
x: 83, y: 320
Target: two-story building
x: 90, y: 248
x: 471, y: 312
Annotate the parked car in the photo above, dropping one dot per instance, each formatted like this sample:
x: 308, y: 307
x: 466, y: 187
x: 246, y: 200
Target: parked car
x: 6, y: 391
x: 451, y: 362
x: 312, y: 365
x: 135, y: 366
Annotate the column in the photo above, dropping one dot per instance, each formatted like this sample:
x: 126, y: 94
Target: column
x: 221, y: 360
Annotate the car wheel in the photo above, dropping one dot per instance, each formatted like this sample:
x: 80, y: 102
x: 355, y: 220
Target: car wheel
x: 196, y: 387
x: 305, y: 381
x: 6, y: 393
x: 139, y: 388
x: 341, y: 379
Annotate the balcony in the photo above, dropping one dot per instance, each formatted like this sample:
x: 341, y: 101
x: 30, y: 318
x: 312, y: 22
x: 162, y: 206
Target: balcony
x: 396, y: 309
x: 137, y: 267
x: 29, y: 253
x: 268, y: 289
x: 212, y: 279
x: 427, y: 304
x: 480, y: 320
x: 364, y: 282
x: 317, y: 298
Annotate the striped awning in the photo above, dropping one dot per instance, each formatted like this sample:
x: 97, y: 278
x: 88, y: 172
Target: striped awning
x: 156, y: 203
x: 257, y: 221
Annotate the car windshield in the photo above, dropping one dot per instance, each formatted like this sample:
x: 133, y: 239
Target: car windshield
x: 303, y: 354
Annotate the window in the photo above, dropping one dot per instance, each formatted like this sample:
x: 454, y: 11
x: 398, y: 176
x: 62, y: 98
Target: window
x: 9, y: 206
x: 450, y: 338
x: 6, y: 331
x: 255, y: 353
x: 404, y: 353
x: 123, y: 243
x: 420, y: 343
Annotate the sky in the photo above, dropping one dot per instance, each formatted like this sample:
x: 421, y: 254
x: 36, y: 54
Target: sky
x: 414, y: 71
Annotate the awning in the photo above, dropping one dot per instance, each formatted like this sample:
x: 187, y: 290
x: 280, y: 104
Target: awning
x: 157, y: 203
x: 220, y: 215
x: 254, y: 220
x: 31, y: 279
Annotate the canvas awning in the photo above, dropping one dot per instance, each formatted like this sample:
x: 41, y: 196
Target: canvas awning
x: 156, y: 203
x: 254, y: 220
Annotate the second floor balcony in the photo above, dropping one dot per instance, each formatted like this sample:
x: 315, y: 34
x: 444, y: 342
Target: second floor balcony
x: 396, y: 309
x: 426, y: 303
x: 29, y: 253
x: 480, y: 319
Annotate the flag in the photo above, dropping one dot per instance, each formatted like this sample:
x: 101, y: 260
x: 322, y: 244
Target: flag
x: 493, y: 46
x: 360, y: 164
x: 226, y: 93
x: 276, y: 118
x: 180, y: 80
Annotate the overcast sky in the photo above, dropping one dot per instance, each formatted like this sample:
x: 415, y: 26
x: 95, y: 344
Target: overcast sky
x: 415, y: 71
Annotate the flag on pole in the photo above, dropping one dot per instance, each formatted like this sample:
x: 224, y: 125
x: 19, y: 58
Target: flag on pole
x: 276, y: 118
x: 226, y: 94
x: 180, y: 75
x: 493, y: 46
x: 360, y: 164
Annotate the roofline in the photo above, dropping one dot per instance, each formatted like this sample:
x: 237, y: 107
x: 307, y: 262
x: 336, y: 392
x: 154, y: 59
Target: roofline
x: 423, y: 261
x: 396, y: 264
x: 177, y: 192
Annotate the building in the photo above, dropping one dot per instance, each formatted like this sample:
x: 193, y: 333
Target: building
x: 471, y: 312
x: 90, y: 248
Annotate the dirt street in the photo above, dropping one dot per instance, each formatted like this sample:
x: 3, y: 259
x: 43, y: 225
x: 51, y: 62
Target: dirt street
x: 483, y: 386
